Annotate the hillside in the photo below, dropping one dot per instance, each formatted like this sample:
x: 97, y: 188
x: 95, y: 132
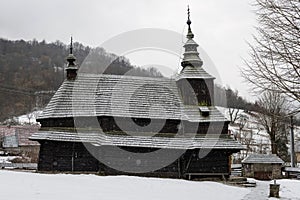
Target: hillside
x: 27, y: 67
x: 31, y: 71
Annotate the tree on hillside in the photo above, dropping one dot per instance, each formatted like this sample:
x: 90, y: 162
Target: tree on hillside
x: 272, y: 117
x: 233, y: 109
x: 234, y: 103
x: 245, y: 135
x: 275, y: 62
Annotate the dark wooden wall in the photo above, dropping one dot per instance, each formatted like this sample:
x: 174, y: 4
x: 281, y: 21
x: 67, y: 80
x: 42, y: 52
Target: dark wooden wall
x: 216, y: 161
x: 108, y: 124
x: 74, y: 157
x: 65, y: 156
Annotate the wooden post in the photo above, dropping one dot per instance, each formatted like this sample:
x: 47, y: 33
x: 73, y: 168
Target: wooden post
x: 179, y: 167
x: 292, y: 144
x: 73, y: 155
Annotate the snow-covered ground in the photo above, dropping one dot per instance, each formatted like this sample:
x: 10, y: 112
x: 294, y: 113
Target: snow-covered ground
x: 289, y: 189
x: 29, y: 118
x: 33, y: 186
x: 7, y: 159
x: 30, y: 186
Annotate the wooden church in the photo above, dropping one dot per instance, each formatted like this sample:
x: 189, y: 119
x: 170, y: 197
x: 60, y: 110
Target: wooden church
x: 112, y: 124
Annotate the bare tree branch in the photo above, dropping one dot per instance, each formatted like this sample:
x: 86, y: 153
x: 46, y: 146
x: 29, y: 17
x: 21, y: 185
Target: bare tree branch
x: 275, y: 55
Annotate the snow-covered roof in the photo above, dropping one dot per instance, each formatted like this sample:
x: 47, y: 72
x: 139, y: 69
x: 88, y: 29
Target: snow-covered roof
x: 263, y: 159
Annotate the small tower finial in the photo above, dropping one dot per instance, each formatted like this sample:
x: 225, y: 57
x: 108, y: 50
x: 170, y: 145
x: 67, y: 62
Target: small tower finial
x: 190, y: 35
x: 71, y: 46
x: 72, y: 66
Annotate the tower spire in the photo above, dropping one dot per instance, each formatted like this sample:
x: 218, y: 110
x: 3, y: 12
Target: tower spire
x: 190, y: 34
x: 71, y: 46
x: 191, y: 56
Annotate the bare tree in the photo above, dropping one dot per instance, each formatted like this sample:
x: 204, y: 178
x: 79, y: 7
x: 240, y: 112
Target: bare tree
x: 234, y: 103
x: 233, y: 114
x: 275, y: 60
x: 272, y: 116
x: 246, y: 134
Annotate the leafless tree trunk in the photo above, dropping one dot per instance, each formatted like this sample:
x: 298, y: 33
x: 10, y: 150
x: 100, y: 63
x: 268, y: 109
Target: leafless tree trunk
x: 272, y: 115
x: 233, y: 114
x: 275, y: 60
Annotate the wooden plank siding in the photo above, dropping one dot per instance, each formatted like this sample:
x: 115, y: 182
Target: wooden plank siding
x: 65, y: 156
x: 74, y: 157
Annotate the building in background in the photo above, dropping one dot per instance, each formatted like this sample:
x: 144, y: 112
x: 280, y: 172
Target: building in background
x: 262, y: 166
x: 14, y: 140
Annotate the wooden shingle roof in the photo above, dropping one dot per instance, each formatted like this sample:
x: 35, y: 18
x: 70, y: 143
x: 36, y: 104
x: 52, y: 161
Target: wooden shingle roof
x: 123, y: 96
x: 180, y: 142
x: 262, y: 159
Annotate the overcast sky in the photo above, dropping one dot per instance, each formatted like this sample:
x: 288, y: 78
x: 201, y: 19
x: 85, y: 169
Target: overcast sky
x: 221, y: 27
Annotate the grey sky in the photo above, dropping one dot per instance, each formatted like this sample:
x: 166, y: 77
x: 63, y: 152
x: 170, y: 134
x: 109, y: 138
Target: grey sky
x: 221, y: 27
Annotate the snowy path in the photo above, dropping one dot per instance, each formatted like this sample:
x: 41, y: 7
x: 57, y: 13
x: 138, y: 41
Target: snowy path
x: 260, y: 192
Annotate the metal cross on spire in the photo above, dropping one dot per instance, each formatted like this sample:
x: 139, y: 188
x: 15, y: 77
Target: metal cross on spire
x: 190, y: 35
x: 71, y: 46
x: 71, y: 58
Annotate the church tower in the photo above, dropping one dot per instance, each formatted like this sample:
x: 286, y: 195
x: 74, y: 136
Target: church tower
x: 195, y: 84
